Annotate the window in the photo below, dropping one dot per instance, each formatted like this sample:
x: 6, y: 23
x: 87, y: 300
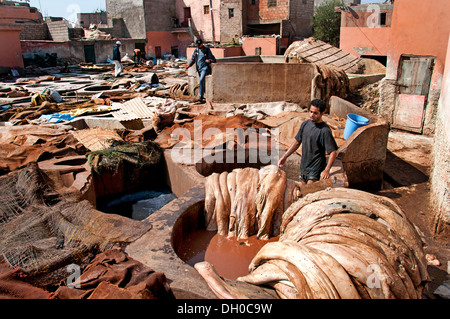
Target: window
x: 258, y: 51
x: 230, y: 13
x: 272, y: 3
x: 206, y: 9
x: 253, y: 2
x: 305, y: 1
x: 382, y: 18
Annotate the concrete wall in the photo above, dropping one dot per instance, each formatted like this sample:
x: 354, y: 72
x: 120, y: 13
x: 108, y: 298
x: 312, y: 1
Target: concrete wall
x: 363, y: 154
x: 32, y: 48
x: 75, y: 49
x: 158, y: 15
x: 86, y: 19
x: 11, y: 53
x: 249, y: 82
x: 133, y: 14
x: 440, y: 179
x: 231, y: 27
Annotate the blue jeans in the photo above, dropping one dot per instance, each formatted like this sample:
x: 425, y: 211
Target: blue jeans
x: 202, y: 74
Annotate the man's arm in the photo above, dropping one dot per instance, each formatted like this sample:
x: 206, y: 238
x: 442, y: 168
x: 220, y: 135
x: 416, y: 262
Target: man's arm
x: 211, y: 57
x: 326, y: 172
x: 191, y: 63
x: 294, y: 146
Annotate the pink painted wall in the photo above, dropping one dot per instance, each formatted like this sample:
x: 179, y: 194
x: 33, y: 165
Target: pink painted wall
x: 164, y: 39
x: 420, y: 28
x: 219, y: 53
x: 11, y: 52
x: 10, y: 14
x: 268, y: 45
x: 365, y: 41
x: 202, y: 21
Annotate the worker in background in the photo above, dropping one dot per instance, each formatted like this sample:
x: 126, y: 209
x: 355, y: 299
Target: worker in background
x: 116, y: 59
x: 203, y: 58
x: 316, y: 139
x: 137, y: 57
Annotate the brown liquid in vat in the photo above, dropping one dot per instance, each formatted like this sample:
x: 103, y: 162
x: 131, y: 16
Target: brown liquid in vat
x: 230, y: 256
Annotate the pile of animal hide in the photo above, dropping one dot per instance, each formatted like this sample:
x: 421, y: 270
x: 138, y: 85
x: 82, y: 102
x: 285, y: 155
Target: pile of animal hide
x: 343, y: 243
x: 329, y: 81
x: 248, y: 201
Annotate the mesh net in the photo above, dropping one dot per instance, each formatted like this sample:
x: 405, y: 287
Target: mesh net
x: 42, y: 231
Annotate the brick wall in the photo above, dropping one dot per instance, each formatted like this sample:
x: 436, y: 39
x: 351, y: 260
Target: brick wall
x: 301, y: 13
x: 58, y: 31
x: 261, y: 10
x: 34, y: 32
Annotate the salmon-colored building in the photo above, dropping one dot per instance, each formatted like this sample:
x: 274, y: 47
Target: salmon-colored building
x: 11, y: 52
x: 413, y: 37
x: 13, y: 20
x: 365, y: 30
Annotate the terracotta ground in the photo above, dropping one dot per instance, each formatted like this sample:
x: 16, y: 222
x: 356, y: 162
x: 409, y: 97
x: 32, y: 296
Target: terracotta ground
x: 407, y: 181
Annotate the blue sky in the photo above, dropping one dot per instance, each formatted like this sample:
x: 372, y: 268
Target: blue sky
x: 69, y: 8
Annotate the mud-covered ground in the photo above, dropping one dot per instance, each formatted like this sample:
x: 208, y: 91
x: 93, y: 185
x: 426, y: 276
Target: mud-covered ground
x: 409, y: 164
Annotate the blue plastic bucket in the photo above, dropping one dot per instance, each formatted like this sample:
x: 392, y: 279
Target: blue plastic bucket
x: 353, y: 123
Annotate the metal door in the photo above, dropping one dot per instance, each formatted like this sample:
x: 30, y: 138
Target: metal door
x: 89, y: 53
x: 413, y: 85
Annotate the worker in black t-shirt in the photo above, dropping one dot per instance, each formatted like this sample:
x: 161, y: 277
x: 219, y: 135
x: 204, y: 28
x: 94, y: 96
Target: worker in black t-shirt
x: 316, y: 139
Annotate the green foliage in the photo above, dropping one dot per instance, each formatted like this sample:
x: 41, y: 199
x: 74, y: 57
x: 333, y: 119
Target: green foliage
x: 326, y: 22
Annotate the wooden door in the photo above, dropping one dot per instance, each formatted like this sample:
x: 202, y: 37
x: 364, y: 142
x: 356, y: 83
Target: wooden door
x: 413, y: 85
x: 187, y: 16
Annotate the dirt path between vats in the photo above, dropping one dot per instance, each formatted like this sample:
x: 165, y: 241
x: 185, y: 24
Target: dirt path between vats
x: 409, y: 165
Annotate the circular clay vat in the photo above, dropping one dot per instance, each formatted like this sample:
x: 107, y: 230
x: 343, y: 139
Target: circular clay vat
x: 96, y: 88
x: 193, y: 243
x: 81, y: 82
x: 166, y: 248
x: 37, y: 85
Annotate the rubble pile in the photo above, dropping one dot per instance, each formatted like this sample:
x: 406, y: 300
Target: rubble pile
x: 367, y: 97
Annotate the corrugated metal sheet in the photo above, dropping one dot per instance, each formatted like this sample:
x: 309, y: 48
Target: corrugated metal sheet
x: 316, y: 51
x: 96, y: 139
x: 132, y: 110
